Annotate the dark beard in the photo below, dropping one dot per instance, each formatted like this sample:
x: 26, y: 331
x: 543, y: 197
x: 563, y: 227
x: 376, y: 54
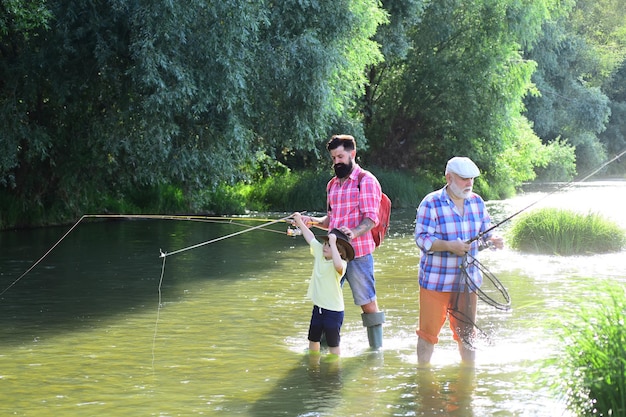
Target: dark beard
x: 343, y: 170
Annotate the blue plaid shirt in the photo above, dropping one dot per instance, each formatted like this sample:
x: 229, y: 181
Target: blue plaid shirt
x: 438, y: 218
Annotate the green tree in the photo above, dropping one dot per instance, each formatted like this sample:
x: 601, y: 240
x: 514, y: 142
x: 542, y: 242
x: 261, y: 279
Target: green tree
x: 459, y: 91
x: 19, y: 23
x: 580, y: 78
x: 22, y: 17
x: 309, y: 73
x: 121, y: 94
x: 568, y: 107
x: 602, y: 23
x: 614, y: 137
x: 395, y: 40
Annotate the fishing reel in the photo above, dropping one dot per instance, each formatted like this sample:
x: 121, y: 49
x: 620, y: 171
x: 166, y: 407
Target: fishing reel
x: 295, y: 231
x: 488, y: 244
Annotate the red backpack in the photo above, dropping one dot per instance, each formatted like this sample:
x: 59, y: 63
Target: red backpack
x: 384, y: 214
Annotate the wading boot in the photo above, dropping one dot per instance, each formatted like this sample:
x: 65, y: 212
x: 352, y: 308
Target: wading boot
x: 424, y: 351
x: 374, y: 323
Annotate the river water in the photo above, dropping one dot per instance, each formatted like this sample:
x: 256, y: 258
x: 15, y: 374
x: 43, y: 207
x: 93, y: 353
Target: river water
x: 104, y: 325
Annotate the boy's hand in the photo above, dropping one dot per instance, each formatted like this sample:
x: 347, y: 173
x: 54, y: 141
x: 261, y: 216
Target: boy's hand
x: 332, y: 238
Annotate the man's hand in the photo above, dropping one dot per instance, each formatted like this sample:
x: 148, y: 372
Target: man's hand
x: 348, y: 232
x: 458, y: 247
x: 498, y: 242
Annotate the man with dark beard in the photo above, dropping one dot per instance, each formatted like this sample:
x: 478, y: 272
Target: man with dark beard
x: 446, y: 220
x: 353, y: 198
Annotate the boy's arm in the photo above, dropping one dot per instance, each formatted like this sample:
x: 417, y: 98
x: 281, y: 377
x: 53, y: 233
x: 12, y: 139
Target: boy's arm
x: 337, y: 261
x: 306, y: 232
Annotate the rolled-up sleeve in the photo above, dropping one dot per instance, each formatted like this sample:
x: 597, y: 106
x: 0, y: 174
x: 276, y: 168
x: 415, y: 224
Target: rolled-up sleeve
x: 425, y: 227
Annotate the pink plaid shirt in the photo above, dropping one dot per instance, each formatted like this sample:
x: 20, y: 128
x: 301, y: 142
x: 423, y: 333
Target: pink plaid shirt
x: 348, y: 206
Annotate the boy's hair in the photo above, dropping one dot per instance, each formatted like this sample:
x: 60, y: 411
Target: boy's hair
x: 342, y: 252
x: 347, y: 141
x: 345, y: 249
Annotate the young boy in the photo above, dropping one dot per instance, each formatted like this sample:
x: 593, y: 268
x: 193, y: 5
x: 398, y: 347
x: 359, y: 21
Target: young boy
x: 329, y: 266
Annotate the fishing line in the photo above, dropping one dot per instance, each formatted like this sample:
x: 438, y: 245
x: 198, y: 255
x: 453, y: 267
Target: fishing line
x: 158, y: 315
x: 41, y: 259
x: 176, y: 217
x: 164, y: 254
x: 467, y: 264
x: 565, y: 186
x: 224, y: 220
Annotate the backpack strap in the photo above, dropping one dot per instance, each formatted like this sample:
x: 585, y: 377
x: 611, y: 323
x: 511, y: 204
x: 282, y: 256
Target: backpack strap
x: 330, y: 184
x: 334, y: 179
x: 361, y: 175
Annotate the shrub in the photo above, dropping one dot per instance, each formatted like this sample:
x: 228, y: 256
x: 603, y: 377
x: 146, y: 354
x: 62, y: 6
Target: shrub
x: 307, y: 190
x: 564, y: 232
x: 405, y: 189
x: 294, y: 191
x: 222, y: 199
x: 561, y: 165
x: 593, y: 365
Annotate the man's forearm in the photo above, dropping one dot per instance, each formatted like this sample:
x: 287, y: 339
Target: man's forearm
x: 365, y: 226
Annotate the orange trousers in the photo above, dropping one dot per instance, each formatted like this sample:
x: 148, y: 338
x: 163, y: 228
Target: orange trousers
x: 435, y: 307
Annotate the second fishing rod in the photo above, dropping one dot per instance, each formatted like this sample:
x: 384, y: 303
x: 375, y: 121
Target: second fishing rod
x: 559, y: 189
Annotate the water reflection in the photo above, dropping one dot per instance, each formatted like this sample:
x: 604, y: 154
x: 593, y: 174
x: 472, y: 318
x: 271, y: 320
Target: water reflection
x: 314, y: 387
x: 79, y: 334
x: 439, y: 393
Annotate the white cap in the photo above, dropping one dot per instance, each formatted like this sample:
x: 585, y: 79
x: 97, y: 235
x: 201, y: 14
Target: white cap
x: 463, y: 167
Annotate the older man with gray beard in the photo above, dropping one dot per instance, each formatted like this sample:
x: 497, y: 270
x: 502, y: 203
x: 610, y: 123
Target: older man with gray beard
x: 446, y: 223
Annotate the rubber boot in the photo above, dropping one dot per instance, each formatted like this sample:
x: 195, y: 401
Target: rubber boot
x: 374, y: 323
x: 425, y: 351
x: 468, y: 355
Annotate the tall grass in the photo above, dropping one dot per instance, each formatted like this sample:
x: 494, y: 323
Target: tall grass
x: 293, y: 191
x: 592, y: 367
x: 284, y: 192
x: 564, y: 232
x: 307, y: 190
x: 405, y: 189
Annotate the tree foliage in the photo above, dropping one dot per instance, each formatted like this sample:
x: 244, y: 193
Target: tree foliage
x: 120, y: 94
x: 580, y: 56
x: 21, y: 17
x: 568, y: 107
x: 104, y: 98
x: 459, y: 91
x: 614, y: 137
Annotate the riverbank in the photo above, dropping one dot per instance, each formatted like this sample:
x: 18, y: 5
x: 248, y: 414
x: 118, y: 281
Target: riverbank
x: 292, y: 191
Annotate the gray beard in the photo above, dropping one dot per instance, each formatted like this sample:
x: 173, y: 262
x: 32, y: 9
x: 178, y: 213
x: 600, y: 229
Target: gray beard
x: 459, y: 192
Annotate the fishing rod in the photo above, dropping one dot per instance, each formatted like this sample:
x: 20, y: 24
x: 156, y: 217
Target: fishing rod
x: 567, y: 185
x: 500, y: 298
x: 228, y: 220
x: 165, y: 254
x: 176, y: 217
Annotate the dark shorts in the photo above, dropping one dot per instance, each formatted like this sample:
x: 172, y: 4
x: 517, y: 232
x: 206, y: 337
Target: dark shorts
x: 328, y: 322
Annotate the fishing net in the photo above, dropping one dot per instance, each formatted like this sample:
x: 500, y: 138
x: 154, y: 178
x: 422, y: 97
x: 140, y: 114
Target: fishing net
x: 463, y: 311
